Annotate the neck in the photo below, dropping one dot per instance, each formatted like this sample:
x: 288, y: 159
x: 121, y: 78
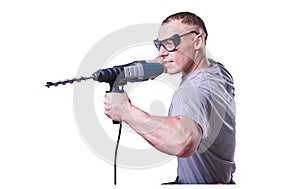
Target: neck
x: 200, y: 62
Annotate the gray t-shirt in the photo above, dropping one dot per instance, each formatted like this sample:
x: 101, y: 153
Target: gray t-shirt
x: 207, y: 97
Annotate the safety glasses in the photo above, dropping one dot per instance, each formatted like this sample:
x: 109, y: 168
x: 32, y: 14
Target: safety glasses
x: 171, y: 43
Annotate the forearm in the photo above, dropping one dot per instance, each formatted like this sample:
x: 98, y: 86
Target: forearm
x: 174, y: 135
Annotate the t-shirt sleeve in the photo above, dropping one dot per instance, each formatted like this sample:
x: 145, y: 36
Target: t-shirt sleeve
x: 192, y: 103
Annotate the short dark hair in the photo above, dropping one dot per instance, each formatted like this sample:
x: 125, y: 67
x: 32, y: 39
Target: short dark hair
x: 188, y: 18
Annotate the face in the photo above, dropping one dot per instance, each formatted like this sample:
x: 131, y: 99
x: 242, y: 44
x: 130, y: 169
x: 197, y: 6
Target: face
x: 181, y: 59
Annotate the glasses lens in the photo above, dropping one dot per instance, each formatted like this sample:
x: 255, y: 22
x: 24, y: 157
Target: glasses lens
x: 169, y: 44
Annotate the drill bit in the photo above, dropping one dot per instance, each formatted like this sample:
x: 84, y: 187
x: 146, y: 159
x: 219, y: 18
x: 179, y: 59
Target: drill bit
x: 49, y: 84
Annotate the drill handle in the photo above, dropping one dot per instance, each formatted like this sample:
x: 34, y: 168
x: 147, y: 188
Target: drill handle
x: 114, y: 88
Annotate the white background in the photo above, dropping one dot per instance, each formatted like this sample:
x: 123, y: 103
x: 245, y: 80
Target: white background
x: 41, y: 41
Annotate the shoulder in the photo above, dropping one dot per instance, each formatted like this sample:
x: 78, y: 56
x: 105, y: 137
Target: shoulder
x: 222, y: 70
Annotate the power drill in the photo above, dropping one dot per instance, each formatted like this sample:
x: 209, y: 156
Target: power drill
x: 117, y: 76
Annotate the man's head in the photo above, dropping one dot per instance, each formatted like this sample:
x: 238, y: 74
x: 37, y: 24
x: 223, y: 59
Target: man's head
x: 181, y: 42
x: 189, y: 19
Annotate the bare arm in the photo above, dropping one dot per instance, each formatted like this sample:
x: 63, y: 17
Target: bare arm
x: 174, y: 135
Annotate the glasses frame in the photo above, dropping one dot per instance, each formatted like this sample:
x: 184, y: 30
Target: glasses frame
x: 176, y: 39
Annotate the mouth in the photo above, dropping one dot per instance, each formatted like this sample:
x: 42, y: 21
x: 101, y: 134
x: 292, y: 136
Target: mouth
x: 167, y: 63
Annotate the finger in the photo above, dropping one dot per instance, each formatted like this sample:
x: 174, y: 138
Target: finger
x: 107, y: 99
x: 108, y: 112
x: 107, y: 106
x: 107, y: 109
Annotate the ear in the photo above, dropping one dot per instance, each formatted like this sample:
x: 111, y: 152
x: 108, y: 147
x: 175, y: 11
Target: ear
x: 199, y: 41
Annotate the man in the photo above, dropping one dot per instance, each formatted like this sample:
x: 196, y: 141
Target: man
x: 200, y: 127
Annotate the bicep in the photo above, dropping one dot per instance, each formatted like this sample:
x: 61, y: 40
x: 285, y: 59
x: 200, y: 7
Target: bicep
x: 192, y: 134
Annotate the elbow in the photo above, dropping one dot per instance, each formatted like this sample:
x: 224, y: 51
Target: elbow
x: 187, y: 150
x: 179, y: 137
x: 184, y: 154
x: 189, y: 147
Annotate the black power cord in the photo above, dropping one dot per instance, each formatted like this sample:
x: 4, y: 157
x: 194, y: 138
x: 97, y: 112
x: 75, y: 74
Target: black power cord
x: 116, y: 152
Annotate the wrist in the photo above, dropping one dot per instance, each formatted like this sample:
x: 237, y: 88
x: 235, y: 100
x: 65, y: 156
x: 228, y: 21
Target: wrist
x: 134, y: 115
x: 126, y: 115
